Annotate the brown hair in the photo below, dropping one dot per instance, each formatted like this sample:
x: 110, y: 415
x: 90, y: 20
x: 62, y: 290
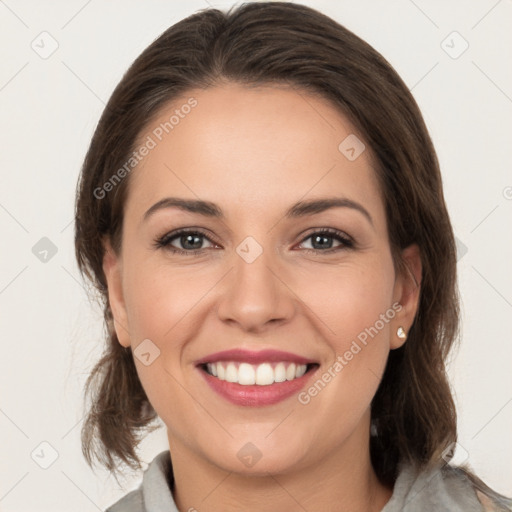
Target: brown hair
x: 284, y: 43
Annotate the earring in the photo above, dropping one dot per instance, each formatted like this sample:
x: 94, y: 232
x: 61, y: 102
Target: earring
x: 401, y: 333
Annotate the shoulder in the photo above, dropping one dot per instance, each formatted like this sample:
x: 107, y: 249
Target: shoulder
x: 490, y: 500
x: 132, y: 502
x: 443, y: 487
x: 487, y: 503
x: 154, y: 492
x: 458, y: 478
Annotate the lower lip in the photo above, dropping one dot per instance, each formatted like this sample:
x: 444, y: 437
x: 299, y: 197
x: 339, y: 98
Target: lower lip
x: 255, y: 396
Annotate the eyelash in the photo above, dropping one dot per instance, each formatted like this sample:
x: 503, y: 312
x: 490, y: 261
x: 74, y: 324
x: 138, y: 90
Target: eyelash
x: 164, y: 241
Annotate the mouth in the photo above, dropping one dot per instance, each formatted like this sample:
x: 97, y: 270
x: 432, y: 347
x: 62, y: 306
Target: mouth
x: 264, y: 374
x: 256, y: 378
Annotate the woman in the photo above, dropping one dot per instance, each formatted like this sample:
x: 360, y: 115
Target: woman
x: 295, y: 350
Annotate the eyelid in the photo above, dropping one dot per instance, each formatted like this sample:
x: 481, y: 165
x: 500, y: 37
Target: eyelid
x: 330, y: 231
x: 163, y: 241
x: 347, y: 242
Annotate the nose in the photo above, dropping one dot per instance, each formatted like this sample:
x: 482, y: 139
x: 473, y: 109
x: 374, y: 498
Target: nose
x: 255, y: 294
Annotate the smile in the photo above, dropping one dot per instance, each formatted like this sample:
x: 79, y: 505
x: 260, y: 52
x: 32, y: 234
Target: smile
x: 264, y: 374
x: 256, y: 378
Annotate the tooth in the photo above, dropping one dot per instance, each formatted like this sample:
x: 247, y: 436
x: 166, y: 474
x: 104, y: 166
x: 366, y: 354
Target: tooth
x: 290, y: 372
x: 280, y: 372
x: 246, y: 375
x: 300, y: 370
x: 232, y: 373
x: 264, y: 375
x: 221, y: 372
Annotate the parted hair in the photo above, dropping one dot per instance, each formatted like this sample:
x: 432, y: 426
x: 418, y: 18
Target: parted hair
x: 413, y: 413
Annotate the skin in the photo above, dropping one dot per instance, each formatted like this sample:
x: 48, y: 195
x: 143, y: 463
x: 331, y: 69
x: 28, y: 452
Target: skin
x: 255, y: 152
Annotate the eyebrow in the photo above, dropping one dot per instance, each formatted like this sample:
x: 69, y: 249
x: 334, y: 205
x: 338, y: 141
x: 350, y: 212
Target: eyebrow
x: 300, y: 209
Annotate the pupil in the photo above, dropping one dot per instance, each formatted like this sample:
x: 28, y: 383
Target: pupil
x: 186, y: 238
x: 322, y: 237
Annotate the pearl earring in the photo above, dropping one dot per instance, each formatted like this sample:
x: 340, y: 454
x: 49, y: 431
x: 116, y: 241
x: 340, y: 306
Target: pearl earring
x: 401, y: 333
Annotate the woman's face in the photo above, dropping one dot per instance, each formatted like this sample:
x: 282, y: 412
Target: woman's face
x: 260, y: 277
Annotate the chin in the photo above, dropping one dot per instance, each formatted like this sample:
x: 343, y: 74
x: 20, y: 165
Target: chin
x: 258, y: 459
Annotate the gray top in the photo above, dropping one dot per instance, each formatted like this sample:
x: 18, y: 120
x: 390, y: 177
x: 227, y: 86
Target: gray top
x: 445, y: 488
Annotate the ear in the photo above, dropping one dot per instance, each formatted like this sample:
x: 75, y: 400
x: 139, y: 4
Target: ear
x: 407, y: 293
x: 112, y: 267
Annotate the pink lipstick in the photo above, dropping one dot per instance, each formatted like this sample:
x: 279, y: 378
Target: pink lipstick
x: 260, y: 378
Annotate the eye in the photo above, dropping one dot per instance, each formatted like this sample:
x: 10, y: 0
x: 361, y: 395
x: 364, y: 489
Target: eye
x: 190, y: 240
x: 321, y: 241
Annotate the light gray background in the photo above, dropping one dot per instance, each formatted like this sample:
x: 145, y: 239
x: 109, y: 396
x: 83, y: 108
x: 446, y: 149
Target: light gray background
x: 51, y: 335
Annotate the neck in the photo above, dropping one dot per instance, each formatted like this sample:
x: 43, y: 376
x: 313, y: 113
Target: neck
x: 345, y: 477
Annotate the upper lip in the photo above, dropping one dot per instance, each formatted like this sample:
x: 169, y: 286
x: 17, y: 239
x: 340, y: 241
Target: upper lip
x: 254, y: 357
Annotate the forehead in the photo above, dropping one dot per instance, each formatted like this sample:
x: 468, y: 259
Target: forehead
x: 262, y: 147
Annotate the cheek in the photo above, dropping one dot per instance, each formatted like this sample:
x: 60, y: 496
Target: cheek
x: 354, y: 312
x: 159, y: 299
x: 349, y: 299
x: 160, y: 307
x: 164, y: 305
